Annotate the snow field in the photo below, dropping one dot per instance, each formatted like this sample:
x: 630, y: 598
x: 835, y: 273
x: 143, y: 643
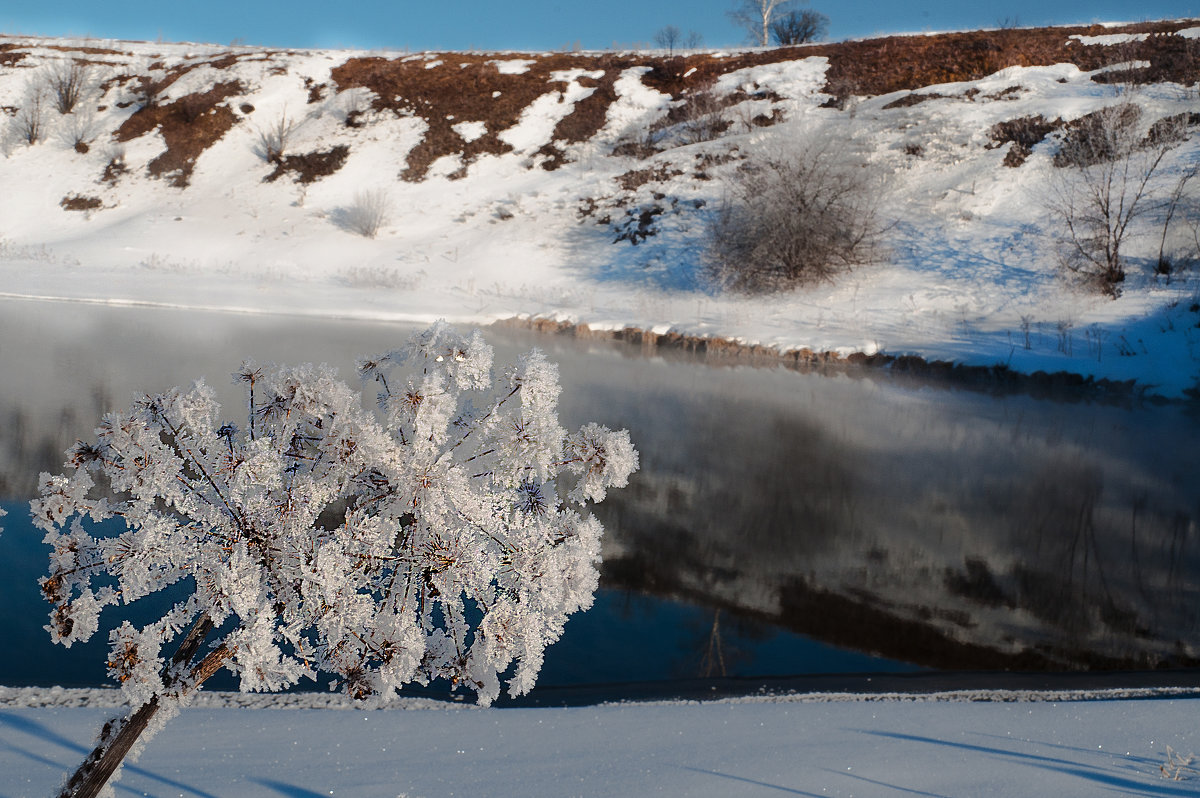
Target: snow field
x: 942, y: 748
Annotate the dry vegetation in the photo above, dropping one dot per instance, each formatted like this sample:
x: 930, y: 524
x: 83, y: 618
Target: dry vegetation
x: 76, y: 202
x: 310, y: 166
x: 189, y: 125
x: 445, y: 89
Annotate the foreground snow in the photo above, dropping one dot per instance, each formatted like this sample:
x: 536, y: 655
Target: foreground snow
x: 823, y: 745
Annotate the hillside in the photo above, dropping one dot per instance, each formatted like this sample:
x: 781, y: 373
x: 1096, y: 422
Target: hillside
x: 576, y: 188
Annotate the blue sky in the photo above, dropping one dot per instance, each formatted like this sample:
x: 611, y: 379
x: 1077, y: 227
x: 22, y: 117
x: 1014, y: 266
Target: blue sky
x: 519, y: 24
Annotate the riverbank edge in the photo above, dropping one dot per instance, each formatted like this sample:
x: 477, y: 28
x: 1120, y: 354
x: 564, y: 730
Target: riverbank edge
x: 112, y: 698
x: 998, y: 378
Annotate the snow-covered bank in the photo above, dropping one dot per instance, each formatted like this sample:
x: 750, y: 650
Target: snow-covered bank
x: 576, y: 188
x: 830, y: 748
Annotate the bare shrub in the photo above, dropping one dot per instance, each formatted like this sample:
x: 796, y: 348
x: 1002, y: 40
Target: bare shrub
x: 1103, y: 187
x: 1103, y: 136
x: 794, y: 219
x: 29, y: 123
x: 68, y: 82
x: 79, y: 130
x: 1179, y: 212
x: 273, y: 140
x: 367, y: 214
x: 1025, y: 133
x: 116, y: 165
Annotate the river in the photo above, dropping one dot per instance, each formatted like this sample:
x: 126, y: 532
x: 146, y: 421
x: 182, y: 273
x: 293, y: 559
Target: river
x: 782, y: 523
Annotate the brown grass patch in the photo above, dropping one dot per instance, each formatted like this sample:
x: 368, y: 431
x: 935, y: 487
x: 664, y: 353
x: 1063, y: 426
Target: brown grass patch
x: 316, y: 91
x: 1024, y: 133
x: 635, y: 179
x: 78, y: 202
x: 584, y: 121
x: 909, y: 100
x: 310, y: 166
x: 113, y: 170
x: 462, y: 88
x: 83, y: 49
x: 151, y: 88
x: 189, y: 125
x: 469, y: 87
x: 895, y: 63
x: 10, y: 54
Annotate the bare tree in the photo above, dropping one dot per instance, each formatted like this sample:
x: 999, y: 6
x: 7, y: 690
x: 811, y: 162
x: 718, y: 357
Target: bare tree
x: 1103, y: 188
x: 1179, y: 204
x: 68, y: 82
x: 29, y: 123
x: 671, y: 38
x: 668, y: 38
x: 796, y: 218
x: 756, y: 16
x: 799, y: 26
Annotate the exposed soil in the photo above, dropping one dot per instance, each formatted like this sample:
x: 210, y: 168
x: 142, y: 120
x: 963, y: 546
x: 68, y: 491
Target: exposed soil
x: 78, y: 202
x: 10, y: 54
x: 1024, y: 132
x: 113, y: 171
x: 634, y: 179
x: 447, y: 89
x: 189, y: 125
x: 584, y: 121
x: 310, y: 166
x: 452, y: 89
x: 909, y: 100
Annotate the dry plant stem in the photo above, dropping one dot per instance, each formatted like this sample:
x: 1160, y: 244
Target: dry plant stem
x: 118, y: 736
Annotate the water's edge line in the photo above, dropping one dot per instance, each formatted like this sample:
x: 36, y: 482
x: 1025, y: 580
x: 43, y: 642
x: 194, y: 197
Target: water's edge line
x: 103, y: 697
x: 712, y: 350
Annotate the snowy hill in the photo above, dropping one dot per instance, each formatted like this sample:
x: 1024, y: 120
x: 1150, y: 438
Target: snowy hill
x: 577, y: 188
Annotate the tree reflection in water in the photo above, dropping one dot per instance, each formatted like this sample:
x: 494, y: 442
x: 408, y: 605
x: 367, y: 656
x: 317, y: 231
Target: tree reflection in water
x: 939, y: 526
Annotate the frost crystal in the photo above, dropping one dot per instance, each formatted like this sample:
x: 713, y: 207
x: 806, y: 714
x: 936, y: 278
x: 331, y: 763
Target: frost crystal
x: 442, y: 534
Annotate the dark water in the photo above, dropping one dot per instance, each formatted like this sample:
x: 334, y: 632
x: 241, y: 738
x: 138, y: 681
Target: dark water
x: 781, y: 524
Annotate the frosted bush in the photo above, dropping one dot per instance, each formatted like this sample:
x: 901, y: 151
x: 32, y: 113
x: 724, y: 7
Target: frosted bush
x: 439, y: 535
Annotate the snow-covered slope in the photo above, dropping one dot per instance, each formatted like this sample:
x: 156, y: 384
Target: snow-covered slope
x: 576, y: 187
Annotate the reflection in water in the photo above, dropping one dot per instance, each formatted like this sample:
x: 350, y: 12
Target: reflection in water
x: 940, y: 527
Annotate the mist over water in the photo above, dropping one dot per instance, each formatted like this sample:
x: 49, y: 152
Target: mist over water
x: 781, y: 523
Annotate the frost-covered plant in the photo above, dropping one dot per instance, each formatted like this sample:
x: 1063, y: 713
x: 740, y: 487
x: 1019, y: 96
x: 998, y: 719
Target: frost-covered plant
x: 1178, y: 766
x: 440, y: 536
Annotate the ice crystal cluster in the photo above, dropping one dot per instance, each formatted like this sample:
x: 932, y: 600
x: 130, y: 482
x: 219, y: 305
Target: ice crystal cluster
x: 443, y: 533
